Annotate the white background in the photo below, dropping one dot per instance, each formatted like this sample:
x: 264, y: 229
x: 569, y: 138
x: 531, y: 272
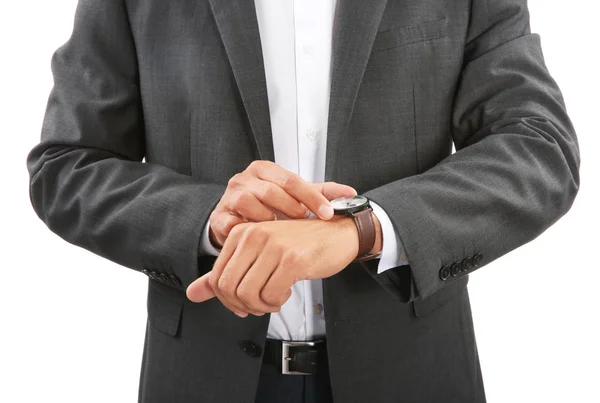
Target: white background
x: 72, y: 323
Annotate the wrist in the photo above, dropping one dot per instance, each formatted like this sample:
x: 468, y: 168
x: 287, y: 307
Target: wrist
x: 378, y: 246
x: 348, y: 227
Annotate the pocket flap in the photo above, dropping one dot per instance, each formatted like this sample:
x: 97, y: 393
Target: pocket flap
x: 425, y: 307
x: 164, y: 311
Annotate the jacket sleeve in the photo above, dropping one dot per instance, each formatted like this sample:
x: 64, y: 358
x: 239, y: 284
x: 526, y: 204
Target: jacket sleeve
x: 515, y: 172
x: 88, y: 183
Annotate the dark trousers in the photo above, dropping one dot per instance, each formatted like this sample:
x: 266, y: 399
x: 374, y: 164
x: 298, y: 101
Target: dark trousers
x: 275, y: 387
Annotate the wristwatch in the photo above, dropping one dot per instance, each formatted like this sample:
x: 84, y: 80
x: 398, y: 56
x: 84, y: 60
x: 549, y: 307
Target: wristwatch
x: 359, y: 208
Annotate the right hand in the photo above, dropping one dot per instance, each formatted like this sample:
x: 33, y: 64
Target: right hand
x: 266, y: 192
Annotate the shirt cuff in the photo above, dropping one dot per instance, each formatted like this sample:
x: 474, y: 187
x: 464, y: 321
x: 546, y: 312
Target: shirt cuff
x: 206, y: 247
x: 392, y: 252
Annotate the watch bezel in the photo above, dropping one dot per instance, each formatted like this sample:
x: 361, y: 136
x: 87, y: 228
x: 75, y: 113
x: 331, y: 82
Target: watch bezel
x: 351, y: 210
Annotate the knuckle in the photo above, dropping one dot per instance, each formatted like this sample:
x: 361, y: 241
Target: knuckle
x: 242, y: 199
x: 299, y: 211
x: 228, y: 224
x: 237, y: 231
x: 234, y: 181
x: 255, y: 233
x: 244, y: 294
x: 266, y: 190
x: 258, y: 165
x: 216, y: 222
x: 223, y: 284
x: 286, y: 180
x: 212, y: 281
x: 234, y: 231
x: 268, y: 297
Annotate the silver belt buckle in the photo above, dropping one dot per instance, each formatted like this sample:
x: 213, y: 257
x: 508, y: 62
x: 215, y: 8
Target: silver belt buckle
x: 285, y: 355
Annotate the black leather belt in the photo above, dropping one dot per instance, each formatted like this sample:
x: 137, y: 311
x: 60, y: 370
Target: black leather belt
x: 296, y: 357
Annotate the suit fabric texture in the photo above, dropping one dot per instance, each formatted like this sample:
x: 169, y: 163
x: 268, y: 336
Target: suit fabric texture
x: 157, y: 104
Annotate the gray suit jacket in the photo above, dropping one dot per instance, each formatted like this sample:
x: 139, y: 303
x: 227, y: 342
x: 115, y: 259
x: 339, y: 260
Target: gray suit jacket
x: 181, y: 83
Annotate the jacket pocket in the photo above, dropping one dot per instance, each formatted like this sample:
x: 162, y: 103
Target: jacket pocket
x: 396, y: 36
x: 425, y: 307
x: 164, y: 310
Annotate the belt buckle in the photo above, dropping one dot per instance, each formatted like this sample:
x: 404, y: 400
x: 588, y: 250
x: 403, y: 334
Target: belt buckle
x: 285, y: 355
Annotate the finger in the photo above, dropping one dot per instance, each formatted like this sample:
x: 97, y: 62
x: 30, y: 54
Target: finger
x: 249, y: 207
x: 275, y: 291
x: 333, y: 190
x: 276, y: 198
x: 249, y: 288
x: 222, y: 223
x: 296, y: 187
x: 200, y: 290
x: 229, y: 248
x: 233, y: 273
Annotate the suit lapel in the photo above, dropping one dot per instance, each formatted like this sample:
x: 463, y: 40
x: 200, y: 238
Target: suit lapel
x: 355, y: 27
x: 238, y: 27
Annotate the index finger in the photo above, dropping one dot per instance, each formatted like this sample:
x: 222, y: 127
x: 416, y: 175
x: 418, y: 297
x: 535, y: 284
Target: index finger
x: 298, y: 188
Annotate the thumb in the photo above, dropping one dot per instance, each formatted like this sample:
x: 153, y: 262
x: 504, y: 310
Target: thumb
x: 333, y: 190
x: 200, y: 290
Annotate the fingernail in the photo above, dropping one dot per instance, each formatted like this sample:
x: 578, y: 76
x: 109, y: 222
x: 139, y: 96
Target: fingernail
x: 241, y: 315
x: 307, y: 214
x: 325, y: 212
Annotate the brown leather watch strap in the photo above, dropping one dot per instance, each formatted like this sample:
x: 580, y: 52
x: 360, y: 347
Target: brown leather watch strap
x: 366, y: 233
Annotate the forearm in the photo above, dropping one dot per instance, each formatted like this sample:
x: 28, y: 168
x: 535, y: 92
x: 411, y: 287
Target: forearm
x: 87, y: 179
x: 142, y: 216
x: 515, y: 171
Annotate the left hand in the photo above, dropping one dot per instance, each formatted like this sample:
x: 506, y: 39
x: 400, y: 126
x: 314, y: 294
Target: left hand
x: 260, y: 262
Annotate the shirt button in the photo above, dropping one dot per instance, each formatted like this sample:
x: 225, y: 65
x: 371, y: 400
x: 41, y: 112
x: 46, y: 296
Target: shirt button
x: 312, y: 134
x: 308, y: 50
x: 318, y: 309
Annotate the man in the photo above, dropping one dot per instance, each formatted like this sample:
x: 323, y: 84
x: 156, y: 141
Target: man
x: 252, y: 115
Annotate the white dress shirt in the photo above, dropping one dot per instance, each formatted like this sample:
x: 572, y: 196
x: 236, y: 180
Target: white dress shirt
x: 296, y: 38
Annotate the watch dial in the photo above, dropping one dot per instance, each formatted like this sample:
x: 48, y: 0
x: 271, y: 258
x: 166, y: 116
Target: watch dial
x: 346, y: 203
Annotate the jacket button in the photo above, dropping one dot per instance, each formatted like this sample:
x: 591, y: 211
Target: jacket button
x: 250, y: 348
x: 174, y: 280
x: 477, y: 258
x: 467, y: 264
x: 164, y: 278
x: 153, y: 275
x: 445, y: 272
x: 455, y: 269
x: 145, y: 271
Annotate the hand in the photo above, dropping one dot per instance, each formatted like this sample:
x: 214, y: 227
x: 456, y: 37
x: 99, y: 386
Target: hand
x: 260, y: 262
x: 266, y: 192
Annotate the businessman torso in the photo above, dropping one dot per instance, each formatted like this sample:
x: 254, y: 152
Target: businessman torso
x: 206, y: 114
x: 182, y: 84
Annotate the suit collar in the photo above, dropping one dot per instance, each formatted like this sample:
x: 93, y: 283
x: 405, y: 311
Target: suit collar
x: 354, y: 29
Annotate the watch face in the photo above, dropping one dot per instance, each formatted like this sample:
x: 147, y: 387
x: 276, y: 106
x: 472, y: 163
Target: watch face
x: 346, y: 204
